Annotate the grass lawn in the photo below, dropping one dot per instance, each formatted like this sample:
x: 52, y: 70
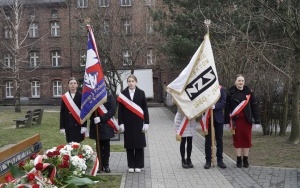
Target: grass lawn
x: 50, y: 137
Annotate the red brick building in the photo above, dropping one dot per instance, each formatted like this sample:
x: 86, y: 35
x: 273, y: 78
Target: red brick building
x: 52, y: 44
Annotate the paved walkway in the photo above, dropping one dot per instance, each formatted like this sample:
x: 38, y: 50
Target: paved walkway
x: 163, y: 164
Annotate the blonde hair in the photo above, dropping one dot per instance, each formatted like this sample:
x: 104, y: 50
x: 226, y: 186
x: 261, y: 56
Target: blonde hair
x: 132, y: 76
x: 72, y: 78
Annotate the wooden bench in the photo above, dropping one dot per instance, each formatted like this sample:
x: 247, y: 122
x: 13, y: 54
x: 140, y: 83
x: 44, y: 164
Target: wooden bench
x: 37, y: 116
x: 27, y: 121
x: 17, y: 153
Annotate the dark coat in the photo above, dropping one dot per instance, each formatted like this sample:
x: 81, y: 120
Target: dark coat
x: 105, y: 131
x: 134, y: 138
x: 219, y: 106
x: 68, y: 122
x: 235, y: 97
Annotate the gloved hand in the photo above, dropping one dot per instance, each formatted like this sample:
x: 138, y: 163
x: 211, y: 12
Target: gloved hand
x: 62, y: 131
x: 83, y: 130
x: 213, y: 107
x: 227, y: 126
x: 97, y: 120
x: 122, y: 128
x: 145, y: 127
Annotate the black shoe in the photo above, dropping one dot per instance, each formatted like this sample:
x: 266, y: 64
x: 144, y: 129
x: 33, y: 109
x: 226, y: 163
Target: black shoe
x: 207, y: 165
x: 183, y: 163
x: 239, y: 162
x: 221, y: 164
x: 245, y: 162
x: 106, y: 169
x: 189, y: 163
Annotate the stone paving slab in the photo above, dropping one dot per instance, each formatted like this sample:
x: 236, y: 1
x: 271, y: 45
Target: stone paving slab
x: 163, y: 164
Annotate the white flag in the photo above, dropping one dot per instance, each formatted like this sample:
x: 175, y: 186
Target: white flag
x: 197, y: 86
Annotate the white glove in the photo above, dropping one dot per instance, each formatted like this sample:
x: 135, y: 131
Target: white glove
x: 145, y: 127
x: 62, y: 131
x: 227, y: 126
x: 97, y: 120
x: 83, y: 130
x: 213, y: 107
x: 122, y: 128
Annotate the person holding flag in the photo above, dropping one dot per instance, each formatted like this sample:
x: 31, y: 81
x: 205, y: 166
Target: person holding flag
x: 104, y: 118
x: 241, y: 108
x: 133, y: 118
x: 218, y: 124
x: 70, y: 124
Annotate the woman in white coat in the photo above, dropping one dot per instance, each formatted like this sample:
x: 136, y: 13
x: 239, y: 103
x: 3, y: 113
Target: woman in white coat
x: 186, y: 139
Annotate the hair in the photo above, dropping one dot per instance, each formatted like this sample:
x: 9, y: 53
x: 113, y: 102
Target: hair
x: 72, y: 78
x: 132, y: 76
x: 239, y: 75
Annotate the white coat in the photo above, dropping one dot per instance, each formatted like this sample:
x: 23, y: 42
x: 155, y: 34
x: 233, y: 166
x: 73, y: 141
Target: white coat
x: 190, y: 129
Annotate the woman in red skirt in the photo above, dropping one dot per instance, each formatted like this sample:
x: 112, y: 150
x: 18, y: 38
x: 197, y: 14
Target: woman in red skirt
x: 241, y: 108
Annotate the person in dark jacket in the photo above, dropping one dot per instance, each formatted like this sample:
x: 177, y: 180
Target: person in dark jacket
x: 241, y: 107
x: 104, y: 119
x: 133, y: 118
x: 218, y: 127
x: 70, y: 114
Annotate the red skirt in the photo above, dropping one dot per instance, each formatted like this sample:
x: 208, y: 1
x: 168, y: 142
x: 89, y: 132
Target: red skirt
x: 243, y: 132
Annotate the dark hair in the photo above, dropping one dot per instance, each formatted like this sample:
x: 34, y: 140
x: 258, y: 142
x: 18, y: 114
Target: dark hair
x: 72, y: 78
x: 132, y: 76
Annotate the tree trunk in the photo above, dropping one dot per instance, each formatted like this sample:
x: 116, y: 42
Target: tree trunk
x: 285, y: 108
x: 295, y: 132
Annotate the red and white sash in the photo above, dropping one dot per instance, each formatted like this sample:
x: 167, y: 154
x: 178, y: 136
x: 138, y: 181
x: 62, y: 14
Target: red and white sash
x: 112, y: 121
x: 204, y: 121
x: 130, y: 105
x: 182, y: 126
x: 72, y: 107
x: 237, y: 110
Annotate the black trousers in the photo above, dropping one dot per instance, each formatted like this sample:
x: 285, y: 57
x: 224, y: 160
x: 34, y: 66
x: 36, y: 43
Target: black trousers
x: 219, y: 140
x: 135, y: 158
x: 105, y: 152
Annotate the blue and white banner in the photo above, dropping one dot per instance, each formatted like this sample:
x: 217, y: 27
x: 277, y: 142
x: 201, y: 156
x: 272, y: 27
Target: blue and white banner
x: 94, y: 88
x: 197, y: 87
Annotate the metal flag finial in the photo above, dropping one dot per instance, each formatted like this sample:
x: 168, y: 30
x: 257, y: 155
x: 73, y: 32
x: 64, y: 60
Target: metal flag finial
x: 207, y: 23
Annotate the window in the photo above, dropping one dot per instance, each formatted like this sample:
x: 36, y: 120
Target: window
x: 9, y: 89
x: 33, y: 30
x: 55, y: 29
x: 106, y: 27
x: 82, y: 58
x: 149, y: 28
x: 57, y: 89
x: 103, y: 3
x: 126, y: 26
x: 82, y: 3
x: 7, y: 32
x: 149, y: 2
x: 33, y: 59
x: 56, y: 58
x: 7, y: 61
x: 54, y: 14
x: 127, y: 57
x: 125, y: 3
x: 150, y: 57
x: 35, y: 89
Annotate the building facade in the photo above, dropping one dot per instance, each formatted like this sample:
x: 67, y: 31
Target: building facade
x: 43, y: 44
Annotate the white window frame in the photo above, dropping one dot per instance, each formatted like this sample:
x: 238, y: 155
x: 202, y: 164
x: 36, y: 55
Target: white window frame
x: 149, y: 2
x: 7, y: 32
x: 57, y: 88
x: 126, y: 55
x: 82, y: 3
x: 149, y: 28
x: 35, y: 89
x: 9, y: 88
x: 126, y: 26
x: 82, y: 58
x: 151, y: 58
x: 125, y: 3
x: 55, y: 29
x: 33, y: 30
x: 103, y: 3
x: 56, y: 58
x: 33, y: 58
x: 8, y: 60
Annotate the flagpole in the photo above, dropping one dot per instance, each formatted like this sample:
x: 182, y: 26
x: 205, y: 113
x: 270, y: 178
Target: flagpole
x: 212, y: 130
x: 98, y: 143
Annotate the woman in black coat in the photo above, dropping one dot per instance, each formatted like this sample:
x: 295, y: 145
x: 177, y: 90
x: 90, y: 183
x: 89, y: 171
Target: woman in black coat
x: 69, y: 120
x: 105, y: 130
x: 133, y: 118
